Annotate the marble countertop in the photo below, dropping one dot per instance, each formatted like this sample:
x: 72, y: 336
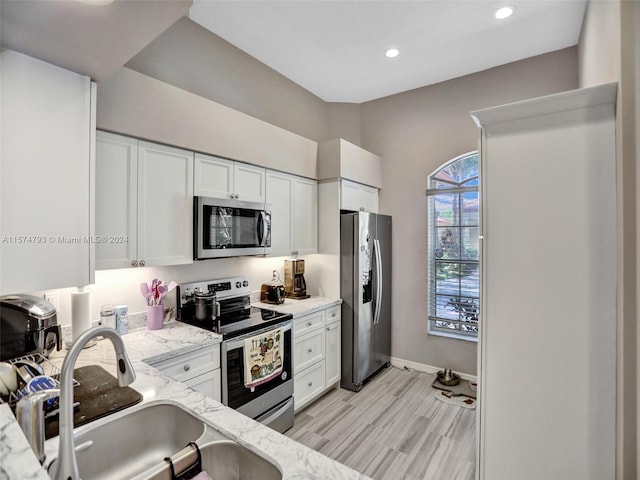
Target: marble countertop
x: 295, y: 461
x: 297, y: 308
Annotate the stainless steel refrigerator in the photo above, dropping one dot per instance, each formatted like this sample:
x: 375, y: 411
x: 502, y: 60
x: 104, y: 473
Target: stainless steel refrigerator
x: 365, y: 288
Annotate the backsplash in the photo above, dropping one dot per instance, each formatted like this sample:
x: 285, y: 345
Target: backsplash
x: 122, y: 287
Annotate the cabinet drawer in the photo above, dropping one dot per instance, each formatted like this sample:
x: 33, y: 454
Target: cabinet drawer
x: 310, y: 322
x: 308, y: 349
x: 334, y: 314
x: 189, y: 365
x: 308, y: 385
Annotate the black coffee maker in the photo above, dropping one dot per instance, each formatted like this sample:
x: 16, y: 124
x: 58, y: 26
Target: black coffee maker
x: 28, y: 325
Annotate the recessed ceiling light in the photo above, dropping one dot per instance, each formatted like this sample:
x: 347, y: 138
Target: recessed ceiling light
x: 504, y: 12
x: 392, y: 52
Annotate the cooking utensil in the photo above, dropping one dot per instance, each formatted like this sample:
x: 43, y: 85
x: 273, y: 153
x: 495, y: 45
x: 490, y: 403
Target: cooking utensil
x: 144, y: 289
x: 162, y: 292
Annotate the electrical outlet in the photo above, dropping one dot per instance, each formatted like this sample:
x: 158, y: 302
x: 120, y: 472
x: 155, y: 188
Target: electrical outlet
x: 53, y: 299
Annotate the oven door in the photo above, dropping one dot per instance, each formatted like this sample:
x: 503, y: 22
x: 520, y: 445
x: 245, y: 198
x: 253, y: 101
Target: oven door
x: 225, y: 228
x: 262, y: 398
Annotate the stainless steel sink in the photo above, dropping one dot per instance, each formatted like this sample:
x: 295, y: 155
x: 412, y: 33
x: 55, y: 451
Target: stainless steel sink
x: 226, y: 460
x: 134, y: 444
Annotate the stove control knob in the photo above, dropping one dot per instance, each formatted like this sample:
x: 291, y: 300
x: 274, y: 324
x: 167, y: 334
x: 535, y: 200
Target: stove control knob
x: 238, y: 284
x: 245, y: 283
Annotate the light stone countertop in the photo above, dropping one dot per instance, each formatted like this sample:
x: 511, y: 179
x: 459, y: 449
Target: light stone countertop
x: 298, y: 308
x: 295, y: 461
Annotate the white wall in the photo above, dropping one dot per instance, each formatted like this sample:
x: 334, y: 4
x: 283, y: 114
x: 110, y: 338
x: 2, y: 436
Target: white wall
x: 609, y: 50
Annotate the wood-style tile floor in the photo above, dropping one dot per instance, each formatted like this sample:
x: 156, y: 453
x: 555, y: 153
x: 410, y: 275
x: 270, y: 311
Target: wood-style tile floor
x: 393, y: 429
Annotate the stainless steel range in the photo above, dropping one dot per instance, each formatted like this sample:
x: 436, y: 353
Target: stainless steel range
x: 271, y: 402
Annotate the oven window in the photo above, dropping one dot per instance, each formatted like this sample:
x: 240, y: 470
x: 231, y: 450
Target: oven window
x: 238, y: 394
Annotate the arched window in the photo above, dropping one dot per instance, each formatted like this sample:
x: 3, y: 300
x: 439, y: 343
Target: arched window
x: 453, y: 223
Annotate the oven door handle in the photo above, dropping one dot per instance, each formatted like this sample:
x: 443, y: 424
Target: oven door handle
x: 267, y: 419
x: 239, y: 342
x: 262, y: 232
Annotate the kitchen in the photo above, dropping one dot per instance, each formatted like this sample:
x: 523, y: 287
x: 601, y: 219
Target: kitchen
x: 398, y: 142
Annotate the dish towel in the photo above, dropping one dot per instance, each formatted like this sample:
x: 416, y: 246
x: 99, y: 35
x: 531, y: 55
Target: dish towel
x: 263, y: 358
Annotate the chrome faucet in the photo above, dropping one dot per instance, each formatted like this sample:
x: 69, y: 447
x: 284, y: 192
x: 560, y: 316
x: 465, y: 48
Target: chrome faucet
x: 66, y: 465
x: 30, y: 415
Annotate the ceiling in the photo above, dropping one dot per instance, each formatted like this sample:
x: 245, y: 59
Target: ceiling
x: 90, y: 39
x: 336, y: 49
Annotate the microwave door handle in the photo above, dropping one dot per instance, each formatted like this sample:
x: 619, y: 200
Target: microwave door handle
x: 378, y: 257
x: 262, y: 232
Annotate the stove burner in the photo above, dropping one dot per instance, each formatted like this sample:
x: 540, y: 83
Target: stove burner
x: 237, y: 316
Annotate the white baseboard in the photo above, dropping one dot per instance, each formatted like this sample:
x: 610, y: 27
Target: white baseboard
x: 421, y: 367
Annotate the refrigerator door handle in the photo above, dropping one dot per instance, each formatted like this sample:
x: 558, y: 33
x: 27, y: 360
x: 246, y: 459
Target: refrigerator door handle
x: 378, y: 256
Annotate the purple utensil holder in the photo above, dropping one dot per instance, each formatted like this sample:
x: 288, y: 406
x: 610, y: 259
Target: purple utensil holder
x: 155, y: 317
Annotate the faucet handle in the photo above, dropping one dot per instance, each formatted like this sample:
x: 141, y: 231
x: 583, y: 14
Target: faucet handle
x: 30, y: 416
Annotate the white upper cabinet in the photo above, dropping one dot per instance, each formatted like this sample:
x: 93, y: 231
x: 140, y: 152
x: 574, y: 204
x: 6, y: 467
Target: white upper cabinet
x: 280, y: 197
x: 116, y: 199
x: 213, y: 177
x: 221, y: 178
x: 294, y: 214
x: 144, y: 203
x: 47, y: 164
x: 306, y: 216
x: 165, y: 205
x: 355, y: 196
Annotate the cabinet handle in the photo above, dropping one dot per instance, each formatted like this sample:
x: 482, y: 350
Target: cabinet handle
x: 187, y: 367
x: 237, y: 195
x: 362, y: 209
x: 309, y: 323
x: 134, y: 263
x: 310, y: 384
x: 141, y: 263
x: 310, y: 350
x: 328, y: 329
x: 333, y: 314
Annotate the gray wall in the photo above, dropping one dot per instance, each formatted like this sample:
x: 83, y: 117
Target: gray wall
x: 417, y: 131
x: 190, y: 57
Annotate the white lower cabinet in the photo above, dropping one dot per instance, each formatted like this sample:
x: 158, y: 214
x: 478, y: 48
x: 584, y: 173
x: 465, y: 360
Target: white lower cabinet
x: 308, y: 385
x: 332, y: 339
x: 199, y: 370
x: 316, y: 354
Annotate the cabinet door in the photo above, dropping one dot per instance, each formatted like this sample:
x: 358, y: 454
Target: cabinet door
x: 306, y: 216
x: 369, y: 198
x: 165, y: 205
x: 249, y: 183
x: 349, y: 195
x: 116, y: 200
x: 207, y: 384
x: 280, y: 192
x: 332, y: 353
x: 213, y: 176
x: 45, y: 186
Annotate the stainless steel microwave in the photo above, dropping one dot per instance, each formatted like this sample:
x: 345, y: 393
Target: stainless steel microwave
x: 230, y: 228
